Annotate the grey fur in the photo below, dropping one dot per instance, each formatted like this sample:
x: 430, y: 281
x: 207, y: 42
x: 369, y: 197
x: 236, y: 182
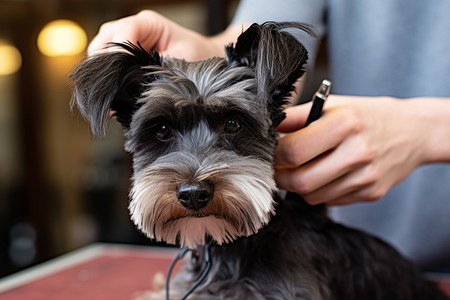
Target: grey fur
x: 215, y: 121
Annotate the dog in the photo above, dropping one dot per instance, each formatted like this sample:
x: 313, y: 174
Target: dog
x: 202, y: 137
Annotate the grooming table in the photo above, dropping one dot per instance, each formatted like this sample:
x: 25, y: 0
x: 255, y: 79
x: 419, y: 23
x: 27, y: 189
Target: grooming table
x: 97, y: 272
x: 100, y: 271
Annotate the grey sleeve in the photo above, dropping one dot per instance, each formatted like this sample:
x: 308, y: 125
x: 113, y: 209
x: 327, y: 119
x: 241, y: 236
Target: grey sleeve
x: 306, y: 11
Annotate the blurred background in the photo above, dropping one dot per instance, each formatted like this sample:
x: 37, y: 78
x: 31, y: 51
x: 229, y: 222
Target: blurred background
x: 60, y: 188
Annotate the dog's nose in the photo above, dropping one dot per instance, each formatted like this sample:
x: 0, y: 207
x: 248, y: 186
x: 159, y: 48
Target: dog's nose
x: 195, y: 195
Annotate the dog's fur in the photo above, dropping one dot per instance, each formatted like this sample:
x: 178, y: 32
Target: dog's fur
x: 202, y: 136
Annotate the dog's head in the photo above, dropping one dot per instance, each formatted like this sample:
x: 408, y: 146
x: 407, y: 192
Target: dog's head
x: 202, y: 134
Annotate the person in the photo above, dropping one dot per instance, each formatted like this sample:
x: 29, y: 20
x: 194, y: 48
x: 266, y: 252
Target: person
x: 385, y: 131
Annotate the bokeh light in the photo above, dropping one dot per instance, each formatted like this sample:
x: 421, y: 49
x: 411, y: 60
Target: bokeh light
x: 62, y: 38
x: 10, y: 59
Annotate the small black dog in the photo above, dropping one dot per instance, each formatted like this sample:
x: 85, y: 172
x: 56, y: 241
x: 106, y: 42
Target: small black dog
x: 202, y: 136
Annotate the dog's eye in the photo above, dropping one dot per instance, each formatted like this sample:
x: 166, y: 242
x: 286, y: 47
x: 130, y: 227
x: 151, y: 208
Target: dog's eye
x: 232, y: 126
x: 163, y: 132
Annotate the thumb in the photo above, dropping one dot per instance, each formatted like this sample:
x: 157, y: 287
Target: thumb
x: 296, y: 117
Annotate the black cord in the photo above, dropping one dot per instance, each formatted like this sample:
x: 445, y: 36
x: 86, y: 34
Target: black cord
x: 180, y: 255
x: 200, y: 278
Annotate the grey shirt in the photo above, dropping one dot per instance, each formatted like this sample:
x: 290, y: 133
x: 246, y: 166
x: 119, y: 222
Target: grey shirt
x: 398, y: 48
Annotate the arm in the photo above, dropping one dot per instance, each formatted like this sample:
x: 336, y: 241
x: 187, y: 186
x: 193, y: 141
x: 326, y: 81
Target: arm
x: 361, y: 147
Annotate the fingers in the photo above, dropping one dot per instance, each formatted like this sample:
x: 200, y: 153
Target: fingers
x: 323, y: 135
x: 358, y: 185
x: 155, y: 32
x: 312, y: 176
x: 295, y: 118
x: 121, y: 30
x: 146, y: 27
x: 368, y: 193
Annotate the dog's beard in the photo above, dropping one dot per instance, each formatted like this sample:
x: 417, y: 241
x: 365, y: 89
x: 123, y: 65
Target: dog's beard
x: 242, y: 203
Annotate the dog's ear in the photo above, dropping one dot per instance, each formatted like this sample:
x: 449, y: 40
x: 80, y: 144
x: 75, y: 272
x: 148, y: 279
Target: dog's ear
x: 110, y: 83
x: 277, y: 57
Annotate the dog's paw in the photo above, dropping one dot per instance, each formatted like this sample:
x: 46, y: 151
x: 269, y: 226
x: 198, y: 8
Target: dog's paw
x: 158, y: 291
x: 159, y: 281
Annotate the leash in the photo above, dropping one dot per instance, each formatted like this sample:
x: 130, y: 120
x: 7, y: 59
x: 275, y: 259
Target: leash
x: 200, y: 279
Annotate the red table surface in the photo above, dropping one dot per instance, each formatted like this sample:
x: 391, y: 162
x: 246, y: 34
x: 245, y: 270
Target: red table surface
x: 99, y: 272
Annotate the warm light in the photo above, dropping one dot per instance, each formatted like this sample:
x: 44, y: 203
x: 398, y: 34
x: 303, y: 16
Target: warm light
x: 62, y: 38
x: 10, y: 59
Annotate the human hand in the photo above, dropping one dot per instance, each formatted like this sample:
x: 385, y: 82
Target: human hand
x: 155, y: 32
x: 355, y: 152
